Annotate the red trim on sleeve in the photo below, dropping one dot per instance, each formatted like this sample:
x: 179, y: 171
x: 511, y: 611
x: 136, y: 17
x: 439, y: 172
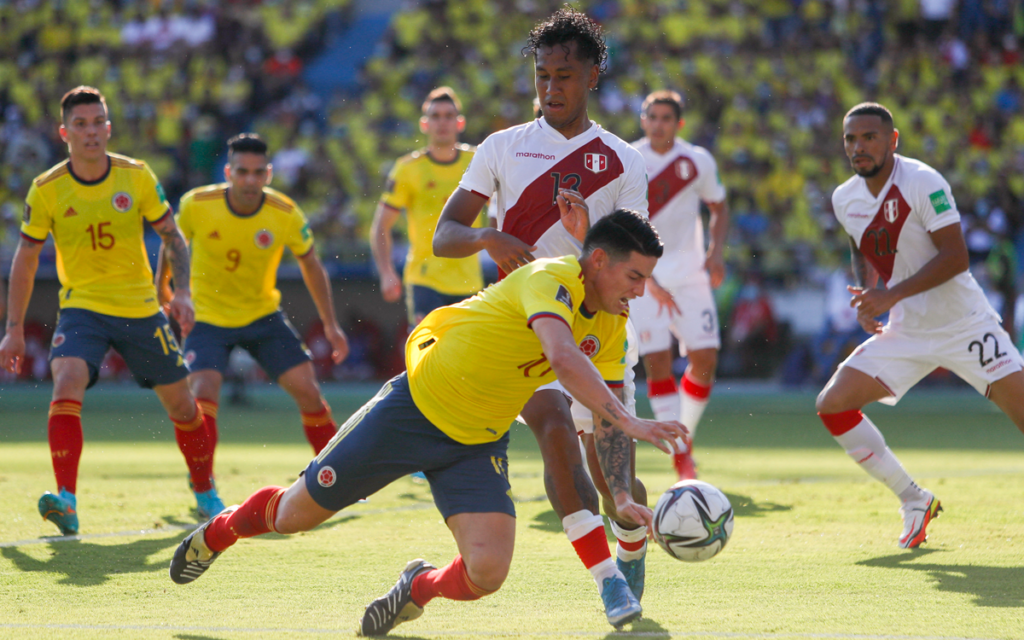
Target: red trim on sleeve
x: 307, y: 253
x: 31, y: 239
x: 163, y: 217
x: 477, y: 193
x: 545, y: 314
x: 615, y: 384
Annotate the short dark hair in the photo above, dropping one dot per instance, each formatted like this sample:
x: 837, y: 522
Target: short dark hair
x: 664, y: 96
x: 442, y: 94
x: 247, y: 143
x: 621, y: 233
x: 81, y: 95
x: 871, y: 109
x: 569, y: 25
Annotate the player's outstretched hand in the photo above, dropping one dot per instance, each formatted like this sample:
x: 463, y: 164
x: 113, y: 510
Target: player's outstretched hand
x: 390, y: 287
x: 666, y: 301
x: 656, y: 432
x: 575, y: 212
x: 12, y: 351
x: 339, y: 343
x: 183, y: 312
x: 633, y: 511
x: 508, y: 251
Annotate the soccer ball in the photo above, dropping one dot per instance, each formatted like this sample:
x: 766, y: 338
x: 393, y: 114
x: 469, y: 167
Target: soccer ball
x: 692, y: 521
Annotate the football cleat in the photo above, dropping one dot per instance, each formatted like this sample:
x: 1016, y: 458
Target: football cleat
x: 916, y: 516
x: 620, y: 605
x: 192, y: 557
x: 395, y: 606
x: 634, y: 570
x: 686, y: 466
x: 60, y: 509
x: 208, y: 503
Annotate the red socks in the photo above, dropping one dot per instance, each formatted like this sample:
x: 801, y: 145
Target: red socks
x: 64, y: 431
x: 695, y: 389
x: 839, y: 423
x: 196, y: 445
x: 256, y: 515
x: 319, y: 427
x: 209, y: 408
x: 451, y: 582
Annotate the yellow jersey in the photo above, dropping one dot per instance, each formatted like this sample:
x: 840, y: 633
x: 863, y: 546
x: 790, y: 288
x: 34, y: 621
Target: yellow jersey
x: 473, y: 365
x: 419, y: 186
x: 235, y: 257
x: 97, y: 228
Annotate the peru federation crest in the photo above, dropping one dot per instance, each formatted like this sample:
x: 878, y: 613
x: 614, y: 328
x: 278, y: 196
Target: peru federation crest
x: 264, y: 239
x: 891, y: 210
x: 596, y: 162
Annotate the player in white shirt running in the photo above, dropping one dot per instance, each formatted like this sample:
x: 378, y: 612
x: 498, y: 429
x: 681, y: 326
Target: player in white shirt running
x: 903, y: 222
x: 551, y: 178
x: 678, y: 298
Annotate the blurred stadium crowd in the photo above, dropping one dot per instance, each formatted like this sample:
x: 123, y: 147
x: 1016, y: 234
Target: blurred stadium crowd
x: 766, y: 84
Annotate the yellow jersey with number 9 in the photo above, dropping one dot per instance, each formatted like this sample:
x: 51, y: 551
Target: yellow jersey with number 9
x: 235, y: 257
x: 97, y: 228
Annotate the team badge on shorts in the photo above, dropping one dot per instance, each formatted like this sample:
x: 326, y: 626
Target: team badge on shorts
x: 190, y: 357
x: 326, y: 477
x: 590, y: 346
x: 264, y: 239
x: 58, y: 339
x: 596, y: 162
x: 121, y: 201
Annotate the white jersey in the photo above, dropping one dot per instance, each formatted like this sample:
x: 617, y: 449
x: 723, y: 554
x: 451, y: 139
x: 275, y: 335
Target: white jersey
x: 891, y: 230
x: 678, y: 181
x: 524, y: 166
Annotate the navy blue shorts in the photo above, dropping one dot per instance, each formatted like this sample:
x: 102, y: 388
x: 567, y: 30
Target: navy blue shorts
x: 271, y: 340
x: 146, y: 344
x: 423, y: 300
x: 389, y: 439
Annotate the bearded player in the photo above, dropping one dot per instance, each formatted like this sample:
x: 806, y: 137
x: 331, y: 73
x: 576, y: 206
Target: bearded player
x: 904, y: 226
x: 94, y: 205
x: 678, y: 299
x: 237, y: 231
x: 443, y: 417
x: 551, y: 178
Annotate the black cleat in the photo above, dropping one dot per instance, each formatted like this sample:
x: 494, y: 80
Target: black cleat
x: 192, y: 557
x: 396, y: 606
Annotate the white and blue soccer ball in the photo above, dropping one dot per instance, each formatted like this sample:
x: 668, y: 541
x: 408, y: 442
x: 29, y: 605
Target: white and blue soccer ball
x: 692, y: 521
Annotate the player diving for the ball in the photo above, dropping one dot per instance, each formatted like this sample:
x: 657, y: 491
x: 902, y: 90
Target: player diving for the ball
x: 444, y: 418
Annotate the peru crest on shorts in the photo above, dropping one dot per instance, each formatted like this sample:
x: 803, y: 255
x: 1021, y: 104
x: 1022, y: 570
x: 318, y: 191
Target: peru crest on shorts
x: 264, y: 239
x: 121, y: 202
x: 596, y: 162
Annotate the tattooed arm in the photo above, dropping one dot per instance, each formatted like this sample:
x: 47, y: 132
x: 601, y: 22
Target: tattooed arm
x: 581, y: 379
x: 175, y: 250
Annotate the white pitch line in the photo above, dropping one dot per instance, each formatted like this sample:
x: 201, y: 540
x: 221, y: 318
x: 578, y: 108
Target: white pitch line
x: 190, y: 527
x: 531, y: 634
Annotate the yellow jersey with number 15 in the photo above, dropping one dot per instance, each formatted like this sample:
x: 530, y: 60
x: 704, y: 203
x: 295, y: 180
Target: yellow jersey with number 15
x: 97, y: 228
x: 473, y: 365
x: 235, y: 257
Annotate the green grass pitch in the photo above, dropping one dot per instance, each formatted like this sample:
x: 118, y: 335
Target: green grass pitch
x: 813, y: 553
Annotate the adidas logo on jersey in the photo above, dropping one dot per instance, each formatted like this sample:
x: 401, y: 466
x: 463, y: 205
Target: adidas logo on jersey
x: 70, y: 212
x: 214, y: 235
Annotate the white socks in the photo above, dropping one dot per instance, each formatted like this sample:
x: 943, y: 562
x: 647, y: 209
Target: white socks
x: 866, y: 445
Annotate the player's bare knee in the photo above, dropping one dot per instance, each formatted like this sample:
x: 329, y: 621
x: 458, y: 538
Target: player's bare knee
x: 703, y: 364
x: 488, y: 570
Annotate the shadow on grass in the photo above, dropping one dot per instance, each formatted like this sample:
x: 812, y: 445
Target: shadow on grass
x: 83, y: 564
x: 746, y: 507
x: 547, y: 521
x: 192, y: 636
x: 990, y: 586
x: 643, y: 628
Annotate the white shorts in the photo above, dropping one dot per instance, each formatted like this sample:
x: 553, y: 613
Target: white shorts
x: 696, y: 328
x: 979, y: 351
